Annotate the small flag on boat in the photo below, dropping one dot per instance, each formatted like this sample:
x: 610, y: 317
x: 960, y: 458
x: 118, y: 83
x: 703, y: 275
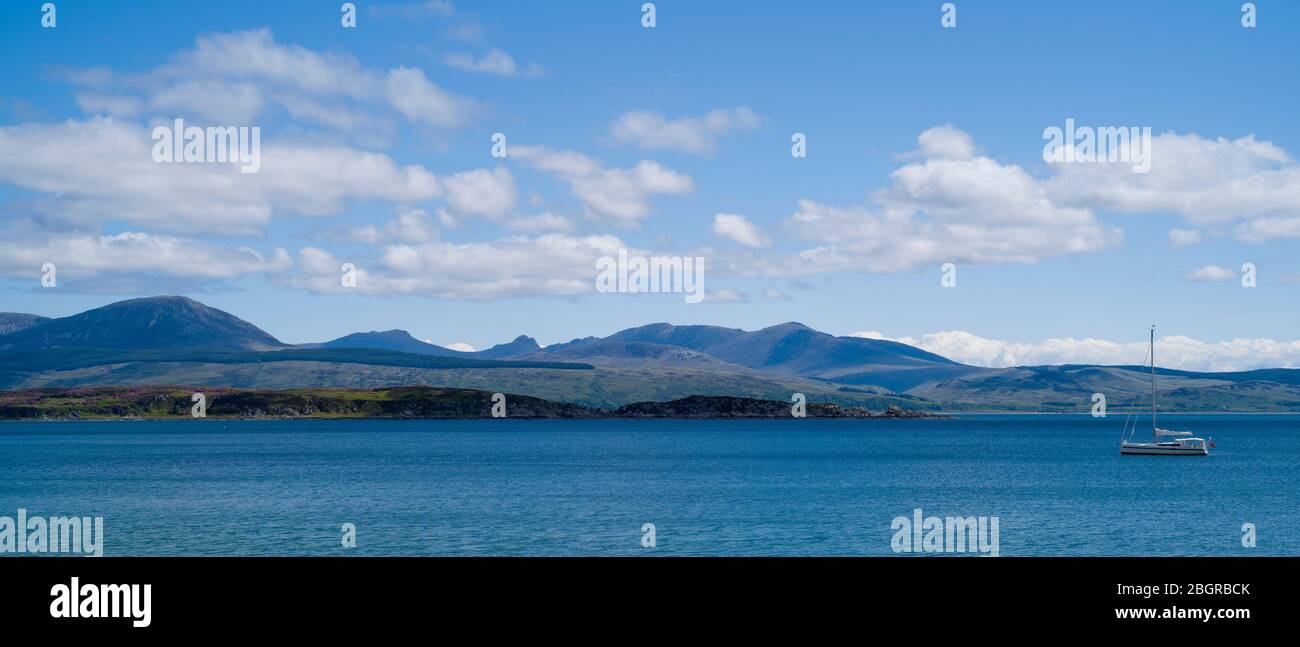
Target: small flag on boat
x: 1210, y: 442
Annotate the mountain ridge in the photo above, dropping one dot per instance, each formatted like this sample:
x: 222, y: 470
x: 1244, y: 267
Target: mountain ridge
x: 171, y: 340
x: 150, y: 322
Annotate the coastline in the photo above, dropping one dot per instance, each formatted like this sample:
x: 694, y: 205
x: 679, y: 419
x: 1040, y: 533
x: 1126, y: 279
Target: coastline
x: 400, y: 403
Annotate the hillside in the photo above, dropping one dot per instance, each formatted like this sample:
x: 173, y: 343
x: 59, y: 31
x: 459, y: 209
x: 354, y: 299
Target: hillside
x: 174, y: 340
x: 11, y: 322
x: 398, y: 340
x: 155, y: 322
x: 788, y: 349
x: 1070, y: 388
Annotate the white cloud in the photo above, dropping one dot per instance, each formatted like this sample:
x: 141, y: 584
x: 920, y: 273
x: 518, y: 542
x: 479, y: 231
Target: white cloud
x: 1212, y: 273
x: 89, y: 257
x: 1184, y: 237
x: 943, y: 142
x: 725, y: 295
x: 1264, y: 229
x: 542, y: 222
x: 620, y: 195
x: 107, y: 104
x: 1207, y: 181
x: 739, y: 229
x: 460, y: 346
x: 213, y: 101
x: 495, y: 61
x: 410, y: 226
x: 232, y: 78
x: 115, y: 178
x: 653, y: 131
x: 547, y: 265
x: 941, y: 209
x: 420, y: 100
x: 482, y: 192
x: 773, y: 294
x: 1177, y: 352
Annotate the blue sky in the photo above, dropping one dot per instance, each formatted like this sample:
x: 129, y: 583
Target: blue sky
x: 622, y: 136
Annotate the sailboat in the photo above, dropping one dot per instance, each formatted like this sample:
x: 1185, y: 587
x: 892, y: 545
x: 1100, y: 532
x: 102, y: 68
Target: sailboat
x: 1182, y: 443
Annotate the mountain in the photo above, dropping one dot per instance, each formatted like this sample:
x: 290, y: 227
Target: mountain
x: 787, y: 349
x: 605, y: 352
x: 174, y: 340
x: 1070, y: 388
x: 398, y: 340
x: 522, y: 345
x: 11, y: 322
x: 155, y: 322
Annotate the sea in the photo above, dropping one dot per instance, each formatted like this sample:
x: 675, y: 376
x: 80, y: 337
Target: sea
x: 1056, y: 485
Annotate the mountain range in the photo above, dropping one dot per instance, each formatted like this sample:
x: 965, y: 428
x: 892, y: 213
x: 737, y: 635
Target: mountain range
x: 171, y: 340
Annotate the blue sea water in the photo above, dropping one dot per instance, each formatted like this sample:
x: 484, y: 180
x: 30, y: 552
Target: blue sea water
x: 711, y: 487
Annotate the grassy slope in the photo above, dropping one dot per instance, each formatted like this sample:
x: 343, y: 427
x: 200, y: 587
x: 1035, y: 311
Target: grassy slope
x: 175, y: 402
x: 1070, y: 389
x: 61, y: 359
x: 601, y: 387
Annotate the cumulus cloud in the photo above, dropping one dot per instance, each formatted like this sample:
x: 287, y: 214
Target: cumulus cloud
x: 621, y: 195
x: 232, y: 78
x: 945, y: 206
x: 482, y: 192
x: 412, y: 94
x: 460, y: 346
x: 946, y: 142
x: 699, y: 135
x: 1176, y: 352
x: 739, y: 229
x: 97, y: 261
x: 115, y: 178
x: 541, y: 223
x: 725, y: 295
x: 1253, y: 183
x: 546, y: 265
x: 1212, y: 273
x: 1262, y: 230
x: 494, y: 61
x: 410, y: 226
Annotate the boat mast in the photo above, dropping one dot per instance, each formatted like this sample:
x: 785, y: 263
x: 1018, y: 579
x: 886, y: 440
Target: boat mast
x: 1153, y: 384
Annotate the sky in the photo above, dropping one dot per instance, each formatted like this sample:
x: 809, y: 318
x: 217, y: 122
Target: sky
x: 924, y: 146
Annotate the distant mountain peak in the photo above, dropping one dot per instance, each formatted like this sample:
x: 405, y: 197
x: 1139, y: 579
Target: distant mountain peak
x: 395, y: 332
x: 521, y: 345
x: 395, y: 339
x: 150, y: 322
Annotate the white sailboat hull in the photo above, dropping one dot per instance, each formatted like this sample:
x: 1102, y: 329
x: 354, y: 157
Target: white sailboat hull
x: 1162, y: 449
